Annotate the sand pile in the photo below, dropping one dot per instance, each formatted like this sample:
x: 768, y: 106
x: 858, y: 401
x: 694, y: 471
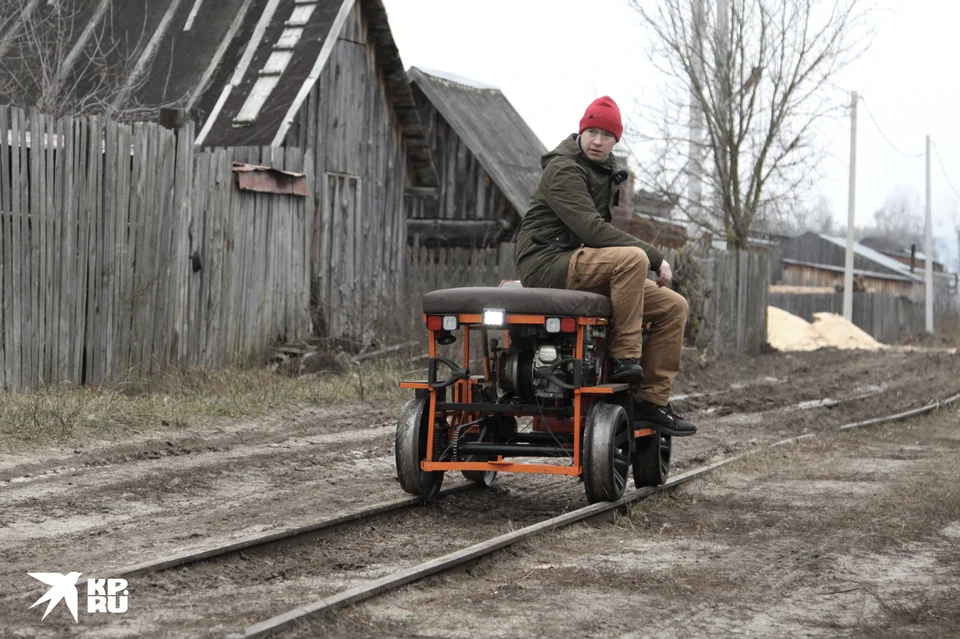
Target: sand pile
x: 787, y: 332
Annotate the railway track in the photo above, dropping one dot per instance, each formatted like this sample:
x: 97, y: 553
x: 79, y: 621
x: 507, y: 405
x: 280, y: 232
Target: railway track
x: 392, y: 507
x: 373, y: 587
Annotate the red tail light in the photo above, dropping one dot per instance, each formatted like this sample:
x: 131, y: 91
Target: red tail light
x: 568, y: 324
x: 435, y: 322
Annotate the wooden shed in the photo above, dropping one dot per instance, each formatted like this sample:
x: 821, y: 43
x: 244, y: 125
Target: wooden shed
x: 487, y: 160
x: 817, y: 260
x: 324, y: 76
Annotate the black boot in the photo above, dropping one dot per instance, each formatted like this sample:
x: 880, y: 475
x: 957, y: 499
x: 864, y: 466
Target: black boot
x: 662, y: 419
x: 626, y: 369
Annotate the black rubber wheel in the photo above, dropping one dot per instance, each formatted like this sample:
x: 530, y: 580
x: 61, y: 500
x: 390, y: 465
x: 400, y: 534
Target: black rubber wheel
x: 606, y: 451
x: 484, y: 478
x: 411, y: 449
x: 651, y: 459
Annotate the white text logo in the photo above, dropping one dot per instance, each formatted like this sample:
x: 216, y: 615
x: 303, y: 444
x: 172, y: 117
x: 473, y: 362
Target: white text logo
x: 103, y: 595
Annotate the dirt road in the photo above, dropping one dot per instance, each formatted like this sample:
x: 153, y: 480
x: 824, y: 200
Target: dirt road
x: 794, y: 543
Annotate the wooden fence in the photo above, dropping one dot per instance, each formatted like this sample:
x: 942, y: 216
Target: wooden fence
x: 736, y: 286
x: 429, y: 269
x: 123, y: 249
x: 888, y: 318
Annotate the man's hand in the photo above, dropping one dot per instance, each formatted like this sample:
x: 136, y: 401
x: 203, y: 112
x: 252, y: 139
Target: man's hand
x: 664, y: 274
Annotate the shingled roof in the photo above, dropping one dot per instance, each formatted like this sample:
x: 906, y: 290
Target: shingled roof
x: 492, y: 129
x: 241, y: 68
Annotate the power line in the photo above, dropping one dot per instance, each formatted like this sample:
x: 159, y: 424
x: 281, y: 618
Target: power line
x: 892, y: 145
x: 944, y: 169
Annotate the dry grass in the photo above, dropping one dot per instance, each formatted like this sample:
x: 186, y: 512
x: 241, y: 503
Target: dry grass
x: 182, y: 400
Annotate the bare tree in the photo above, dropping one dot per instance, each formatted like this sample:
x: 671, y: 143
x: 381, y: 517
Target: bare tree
x: 62, y: 57
x: 897, y: 224
x: 816, y: 217
x: 746, y: 83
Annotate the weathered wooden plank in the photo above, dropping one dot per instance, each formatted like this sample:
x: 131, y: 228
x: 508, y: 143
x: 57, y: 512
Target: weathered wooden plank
x: 31, y: 197
x: 163, y: 295
x: 153, y: 222
x: 227, y: 216
x: 127, y: 178
x: 38, y: 205
x: 108, y: 252
x: 198, y: 286
x: 256, y: 273
x: 93, y: 346
x: 21, y: 245
x: 283, y: 241
x: 304, y: 270
x: 79, y: 259
x: 205, y: 203
x: 180, y: 249
x: 138, y: 230
x: 223, y: 224
x: 228, y: 274
x: 140, y: 225
x: 242, y: 222
x: 336, y: 307
x: 245, y: 267
x: 51, y: 257
x: 216, y: 252
x: 743, y: 274
x: 7, y: 379
x: 31, y: 265
x: 322, y: 253
x: 86, y: 257
x: 66, y: 203
x: 274, y: 208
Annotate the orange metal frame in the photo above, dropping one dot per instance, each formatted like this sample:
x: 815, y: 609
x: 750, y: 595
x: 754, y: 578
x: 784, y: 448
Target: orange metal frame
x: 463, y: 392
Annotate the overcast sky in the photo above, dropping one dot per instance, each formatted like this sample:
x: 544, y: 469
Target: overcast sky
x: 552, y: 57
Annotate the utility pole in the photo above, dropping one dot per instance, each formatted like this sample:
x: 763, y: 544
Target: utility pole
x: 695, y: 153
x: 726, y: 108
x: 928, y: 247
x: 851, y: 211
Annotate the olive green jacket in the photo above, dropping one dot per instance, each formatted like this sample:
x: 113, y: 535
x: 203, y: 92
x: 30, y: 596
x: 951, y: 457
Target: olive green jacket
x: 571, y: 207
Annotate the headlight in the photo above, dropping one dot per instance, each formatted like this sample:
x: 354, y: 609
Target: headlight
x: 493, y: 316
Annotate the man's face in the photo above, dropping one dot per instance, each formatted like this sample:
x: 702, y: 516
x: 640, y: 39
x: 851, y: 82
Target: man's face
x: 597, y: 144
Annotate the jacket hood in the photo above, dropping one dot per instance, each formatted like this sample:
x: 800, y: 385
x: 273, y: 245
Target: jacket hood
x: 569, y: 148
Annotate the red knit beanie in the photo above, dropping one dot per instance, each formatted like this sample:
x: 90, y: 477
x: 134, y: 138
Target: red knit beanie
x: 602, y: 113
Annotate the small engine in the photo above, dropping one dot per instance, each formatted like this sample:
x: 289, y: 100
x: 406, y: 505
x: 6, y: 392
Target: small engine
x: 542, y: 365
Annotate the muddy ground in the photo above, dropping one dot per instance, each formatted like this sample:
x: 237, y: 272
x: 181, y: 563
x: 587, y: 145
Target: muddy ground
x: 851, y: 535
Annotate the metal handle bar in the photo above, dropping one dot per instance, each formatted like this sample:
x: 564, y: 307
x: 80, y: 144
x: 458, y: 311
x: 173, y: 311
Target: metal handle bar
x: 457, y: 374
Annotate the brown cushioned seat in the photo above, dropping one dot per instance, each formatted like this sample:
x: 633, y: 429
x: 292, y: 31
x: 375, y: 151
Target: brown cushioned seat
x: 530, y: 301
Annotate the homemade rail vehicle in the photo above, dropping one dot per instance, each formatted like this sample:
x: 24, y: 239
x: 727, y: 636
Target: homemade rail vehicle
x: 540, y: 404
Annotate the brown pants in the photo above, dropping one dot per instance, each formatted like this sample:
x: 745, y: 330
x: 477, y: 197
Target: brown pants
x: 621, y: 274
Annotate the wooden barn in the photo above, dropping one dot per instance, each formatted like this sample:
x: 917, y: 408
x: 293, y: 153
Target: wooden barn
x: 487, y: 160
x: 817, y: 261
x: 324, y: 76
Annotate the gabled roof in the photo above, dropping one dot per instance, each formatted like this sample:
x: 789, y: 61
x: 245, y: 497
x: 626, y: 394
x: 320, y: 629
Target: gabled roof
x: 872, y: 255
x: 242, y: 68
x: 484, y: 119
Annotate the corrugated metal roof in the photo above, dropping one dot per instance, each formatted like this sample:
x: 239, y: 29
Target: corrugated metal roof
x: 872, y: 255
x: 492, y: 129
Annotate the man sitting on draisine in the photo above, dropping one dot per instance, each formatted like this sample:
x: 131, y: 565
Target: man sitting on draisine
x: 566, y: 241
